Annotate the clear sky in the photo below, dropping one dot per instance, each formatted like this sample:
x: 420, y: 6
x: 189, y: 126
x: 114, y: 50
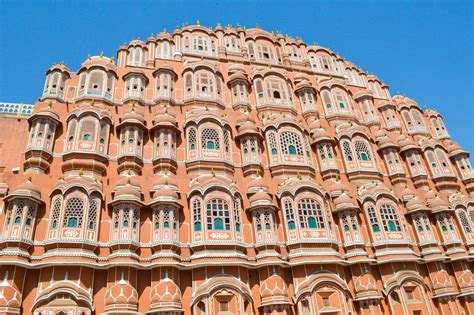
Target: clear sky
x: 421, y: 48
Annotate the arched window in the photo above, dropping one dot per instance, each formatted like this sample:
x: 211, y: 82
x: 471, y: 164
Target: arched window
x: 464, y: 220
x: 272, y: 142
x: 192, y: 138
x: 290, y: 216
x: 362, y: 151
x: 237, y: 210
x: 218, y: 215
x: 200, y: 44
x: 310, y: 214
x: 373, y: 219
x: 290, y: 143
x: 55, y: 212
x: 390, y: 218
x: 346, y: 146
x: 73, y: 213
x: 96, y: 82
x: 210, y: 139
x: 197, y: 215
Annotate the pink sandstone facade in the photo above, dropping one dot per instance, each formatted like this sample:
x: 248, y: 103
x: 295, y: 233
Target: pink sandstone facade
x: 231, y: 171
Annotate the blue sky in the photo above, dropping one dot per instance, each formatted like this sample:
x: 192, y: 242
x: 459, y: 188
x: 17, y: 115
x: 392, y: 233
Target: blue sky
x: 421, y: 48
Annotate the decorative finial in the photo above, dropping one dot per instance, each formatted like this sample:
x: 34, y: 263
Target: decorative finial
x: 164, y: 30
x: 152, y: 35
x: 219, y: 25
x: 89, y: 56
x: 81, y: 172
x: 29, y: 179
x: 101, y: 54
x: 92, y: 102
x: 257, y: 26
x: 198, y: 23
x: 50, y: 103
x: 213, y: 173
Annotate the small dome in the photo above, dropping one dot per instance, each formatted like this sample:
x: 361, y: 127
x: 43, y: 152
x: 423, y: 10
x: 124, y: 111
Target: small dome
x: 454, y: 148
x: 127, y: 192
x: 338, y: 188
x: 261, y: 198
x: 10, y: 297
x: 343, y: 200
x: 414, y: 204
x: 121, y: 293
x: 438, y: 203
x: 28, y: 186
x: 247, y: 128
x: 257, y: 184
x: 27, y: 189
x: 273, y: 286
x: 165, y: 180
x: 132, y: 180
x: 165, y: 193
x: 165, y: 294
x: 407, y: 193
x: 133, y: 116
x: 430, y: 195
x: 314, y: 125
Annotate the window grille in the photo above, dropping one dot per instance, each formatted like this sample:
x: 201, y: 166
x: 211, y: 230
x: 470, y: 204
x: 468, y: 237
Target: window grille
x: 210, y: 139
x: 290, y: 143
x: 310, y: 214
x: 73, y: 212
x: 218, y: 215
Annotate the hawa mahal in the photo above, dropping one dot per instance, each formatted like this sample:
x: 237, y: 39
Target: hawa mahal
x: 231, y: 171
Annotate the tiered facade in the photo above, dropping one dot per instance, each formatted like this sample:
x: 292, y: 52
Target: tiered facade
x: 231, y: 171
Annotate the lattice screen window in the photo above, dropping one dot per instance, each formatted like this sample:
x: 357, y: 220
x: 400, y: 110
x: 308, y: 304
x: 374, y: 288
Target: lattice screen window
x: 200, y: 44
x: 442, y: 158
x: 290, y: 215
x: 276, y: 90
x: 210, y: 139
x: 416, y: 114
x: 166, y: 217
x: 87, y: 132
x: 373, y: 219
x: 197, y: 215
x: 226, y: 141
x: 19, y: 212
x: 310, y: 214
x: 96, y: 82
x: 71, y: 131
x: 218, y: 215
x: 390, y: 218
x: 272, y: 142
x: 204, y: 84
x: 30, y: 214
x: 56, y: 210
x: 237, y: 210
x: 446, y: 224
x: 258, y: 221
x: 464, y: 220
x: 422, y: 223
x: 325, y: 63
x: 264, y: 52
x: 347, y: 151
x: 192, y: 138
x: 268, y: 220
x: 362, y: 150
x: 8, y: 215
x: 290, y: 143
x: 73, y: 212
x: 116, y: 218
x: 92, y: 214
